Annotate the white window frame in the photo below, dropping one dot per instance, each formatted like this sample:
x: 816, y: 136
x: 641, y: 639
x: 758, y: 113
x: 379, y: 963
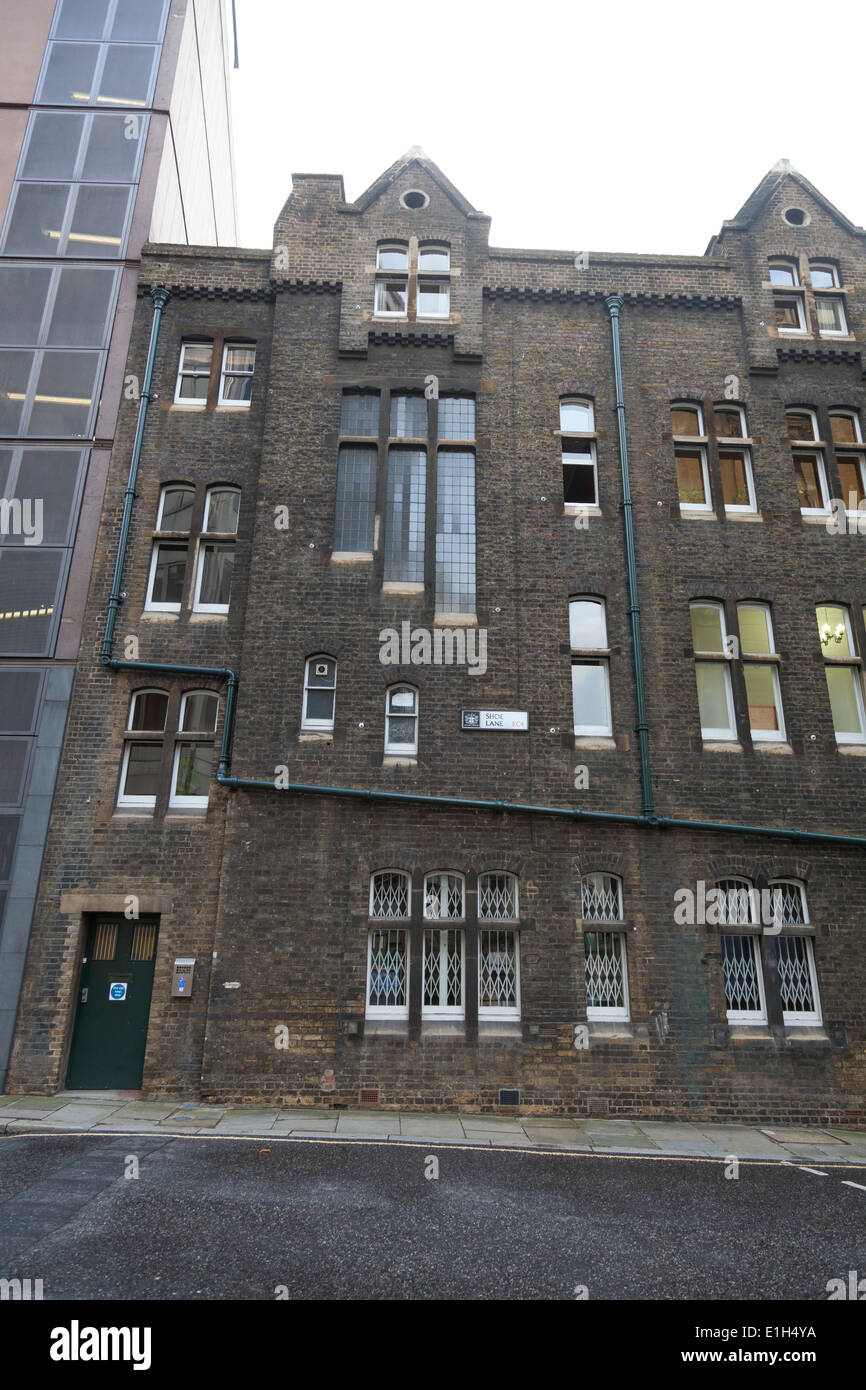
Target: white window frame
x: 838, y: 299
x: 733, y: 439
x: 504, y: 1012
x: 382, y: 282
x: 794, y: 1018
x: 821, y: 472
x: 150, y: 604
x: 847, y: 736
x: 710, y: 734
x: 613, y: 1013
x: 385, y: 248
x: 851, y: 456
x: 176, y: 801
x: 229, y: 403
x: 586, y: 656
x: 443, y: 925
x: 826, y: 267
x: 141, y: 803
x: 444, y: 290
x: 500, y: 873
x: 751, y: 505
x: 846, y: 413
x: 804, y: 904
x: 791, y: 267
x: 185, y: 401
x: 197, y: 605
x: 803, y: 442
x: 400, y: 749
x: 396, y: 1012
x: 320, y: 725
x: 163, y: 492
x: 588, y: 436
x: 748, y: 1016
x: 390, y: 873
x: 438, y: 248
x: 693, y: 446
x: 765, y: 735
x: 446, y: 873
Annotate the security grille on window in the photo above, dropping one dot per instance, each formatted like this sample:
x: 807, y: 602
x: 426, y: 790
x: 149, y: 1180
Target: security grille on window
x: 389, y: 895
x: 789, y: 902
x: 601, y: 898
x: 798, y: 981
x: 498, y: 975
x: 497, y: 897
x: 387, y: 974
x: 810, y: 469
x: 744, y: 984
x: 606, y: 977
x: 590, y: 669
x: 579, y: 470
x: 443, y: 973
x: 443, y: 896
x: 320, y: 689
x: 713, y: 676
x: 763, y: 691
x: 737, y: 901
x: 843, y: 670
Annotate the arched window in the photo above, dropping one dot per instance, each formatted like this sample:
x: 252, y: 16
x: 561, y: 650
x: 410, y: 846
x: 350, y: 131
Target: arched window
x: 143, y: 747
x: 389, y: 893
x: 320, y: 691
x: 401, y: 720
x: 590, y: 670
x: 216, y: 558
x: 601, y: 897
x: 579, y: 463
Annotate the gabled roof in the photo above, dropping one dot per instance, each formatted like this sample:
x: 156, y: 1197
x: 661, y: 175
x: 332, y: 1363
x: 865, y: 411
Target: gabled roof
x: 415, y: 156
x: 771, y: 181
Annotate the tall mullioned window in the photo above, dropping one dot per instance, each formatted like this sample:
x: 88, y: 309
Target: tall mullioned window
x: 390, y: 442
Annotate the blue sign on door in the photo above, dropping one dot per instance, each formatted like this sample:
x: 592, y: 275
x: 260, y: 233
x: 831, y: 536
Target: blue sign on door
x: 117, y: 990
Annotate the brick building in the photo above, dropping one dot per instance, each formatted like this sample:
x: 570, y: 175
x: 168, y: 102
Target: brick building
x: 485, y: 710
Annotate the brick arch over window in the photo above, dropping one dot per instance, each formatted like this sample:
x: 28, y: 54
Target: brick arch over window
x: 404, y: 675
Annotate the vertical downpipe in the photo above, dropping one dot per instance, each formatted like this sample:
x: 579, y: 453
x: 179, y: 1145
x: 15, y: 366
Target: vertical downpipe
x: 160, y: 297
x: 613, y: 303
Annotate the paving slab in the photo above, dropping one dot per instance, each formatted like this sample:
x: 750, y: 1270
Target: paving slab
x: 309, y: 1124
x: 370, y: 1124
x: 801, y: 1136
x: 37, y: 1103
x: 557, y: 1139
x: 144, y: 1110
x: 202, y: 1119
x: 423, y: 1128
x: 83, y: 1116
x: 492, y: 1124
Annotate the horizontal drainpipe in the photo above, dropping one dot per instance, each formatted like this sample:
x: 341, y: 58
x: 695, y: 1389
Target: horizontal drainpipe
x: 224, y: 673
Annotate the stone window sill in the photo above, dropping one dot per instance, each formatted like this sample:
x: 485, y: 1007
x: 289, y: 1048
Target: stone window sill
x: 852, y: 750
x: 443, y: 1028
x: 314, y: 736
x: 722, y: 746
x: 806, y: 1033
x: 749, y: 1032
x: 391, y: 760
x: 499, y: 1028
x: 697, y: 516
x: 593, y: 741
x: 351, y: 557
x: 386, y: 1028
x: 615, y: 1031
x: 770, y: 746
x: 743, y: 516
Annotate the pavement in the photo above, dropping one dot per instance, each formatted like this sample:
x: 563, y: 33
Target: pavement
x: 97, y: 1112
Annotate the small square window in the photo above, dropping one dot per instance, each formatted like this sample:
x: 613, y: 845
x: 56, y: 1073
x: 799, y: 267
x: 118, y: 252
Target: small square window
x: 167, y: 577
x: 811, y: 479
x: 823, y: 277
x: 394, y: 257
x: 576, y: 417
x: 729, y: 422
x: 845, y: 427
x: 831, y: 315
x: 784, y: 273
x: 789, y: 313
x: 434, y: 258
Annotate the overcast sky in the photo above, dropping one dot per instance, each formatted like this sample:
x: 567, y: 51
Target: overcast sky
x: 633, y: 127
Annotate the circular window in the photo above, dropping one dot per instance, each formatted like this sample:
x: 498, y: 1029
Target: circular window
x: 795, y: 217
x: 414, y: 199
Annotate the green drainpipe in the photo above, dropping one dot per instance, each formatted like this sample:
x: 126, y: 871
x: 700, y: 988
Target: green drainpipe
x: 160, y: 298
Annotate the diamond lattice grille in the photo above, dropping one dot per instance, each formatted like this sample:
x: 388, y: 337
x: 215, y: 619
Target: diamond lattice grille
x: 497, y: 897
x: 443, y: 896
x: 498, y: 970
x: 742, y: 990
x: 605, y: 988
x: 735, y: 902
x: 443, y: 969
x: 390, y: 896
x: 600, y: 898
x: 795, y: 976
x: 387, y: 983
x: 788, y: 904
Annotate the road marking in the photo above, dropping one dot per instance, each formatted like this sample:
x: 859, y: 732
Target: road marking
x: 804, y: 1169
x: 858, y: 1185
x: 407, y: 1143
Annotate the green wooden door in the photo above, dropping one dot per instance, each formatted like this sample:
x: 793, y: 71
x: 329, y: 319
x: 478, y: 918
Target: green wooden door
x: 113, y: 1005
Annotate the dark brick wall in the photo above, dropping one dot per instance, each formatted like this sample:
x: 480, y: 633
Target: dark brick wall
x: 275, y: 885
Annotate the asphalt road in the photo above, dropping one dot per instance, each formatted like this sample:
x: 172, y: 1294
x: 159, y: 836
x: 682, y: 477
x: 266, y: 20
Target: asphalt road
x: 241, y: 1219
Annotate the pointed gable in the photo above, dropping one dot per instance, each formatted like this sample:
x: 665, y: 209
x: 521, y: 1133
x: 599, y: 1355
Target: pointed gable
x: 416, y: 161
x: 772, y: 183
